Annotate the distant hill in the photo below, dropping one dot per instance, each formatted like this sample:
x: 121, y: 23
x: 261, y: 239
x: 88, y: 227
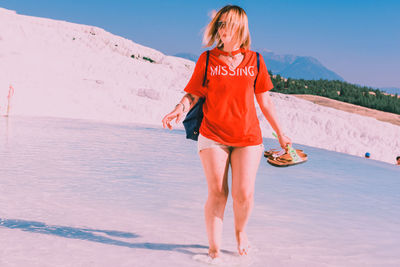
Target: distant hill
x: 289, y: 66
x: 391, y: 90
x: 298, y: 67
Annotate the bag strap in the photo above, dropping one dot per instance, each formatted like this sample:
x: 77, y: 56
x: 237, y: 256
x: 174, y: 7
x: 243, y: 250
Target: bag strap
x: 201, y: 100
x: 205, y: 72
x: 258, y: 68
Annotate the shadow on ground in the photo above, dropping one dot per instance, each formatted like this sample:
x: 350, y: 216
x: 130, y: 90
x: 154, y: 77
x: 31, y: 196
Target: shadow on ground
x: 94, y: 235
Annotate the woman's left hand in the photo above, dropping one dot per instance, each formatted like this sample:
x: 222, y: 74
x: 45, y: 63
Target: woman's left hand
x: 284, y: 141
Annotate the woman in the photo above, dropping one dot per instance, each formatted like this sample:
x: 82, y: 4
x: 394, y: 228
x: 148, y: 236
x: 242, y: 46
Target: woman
x: 230, y: 133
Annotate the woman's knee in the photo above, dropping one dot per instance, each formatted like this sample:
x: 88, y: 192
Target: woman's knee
x: 219, y: 194
x: 242, y: 196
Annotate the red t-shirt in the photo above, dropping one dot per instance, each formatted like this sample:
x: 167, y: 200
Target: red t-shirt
x: 230, y: 116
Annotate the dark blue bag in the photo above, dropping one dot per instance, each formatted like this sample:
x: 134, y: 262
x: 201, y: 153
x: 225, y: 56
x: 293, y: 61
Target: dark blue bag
x: 193, y: 119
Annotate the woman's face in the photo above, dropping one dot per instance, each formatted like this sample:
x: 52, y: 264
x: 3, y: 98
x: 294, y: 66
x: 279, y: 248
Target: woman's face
x: 227, y: 35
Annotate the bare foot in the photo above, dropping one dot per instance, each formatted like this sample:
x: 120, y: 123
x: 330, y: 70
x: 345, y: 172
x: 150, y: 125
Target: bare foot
x: 213, y: 253
x: 243, y: 243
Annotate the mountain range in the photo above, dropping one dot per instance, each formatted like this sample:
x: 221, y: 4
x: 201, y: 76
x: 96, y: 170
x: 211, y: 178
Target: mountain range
x: 290, y: 66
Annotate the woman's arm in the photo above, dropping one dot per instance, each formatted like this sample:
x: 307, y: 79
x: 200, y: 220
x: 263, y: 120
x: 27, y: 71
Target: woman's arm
x: 268, y: 109
x: 186, y: 103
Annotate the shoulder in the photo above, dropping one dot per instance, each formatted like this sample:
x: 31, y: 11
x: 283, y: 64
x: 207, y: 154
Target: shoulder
x: 254, y: 53
x: 252, y: 56
x: 251, y: 51
x: 204, y: 54
x: 202, y: 58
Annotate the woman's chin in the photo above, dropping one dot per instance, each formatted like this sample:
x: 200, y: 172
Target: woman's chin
x: 226, y: 40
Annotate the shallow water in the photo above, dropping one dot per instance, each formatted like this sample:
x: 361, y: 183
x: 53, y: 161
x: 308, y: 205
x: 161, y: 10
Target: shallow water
x: 82, y: 193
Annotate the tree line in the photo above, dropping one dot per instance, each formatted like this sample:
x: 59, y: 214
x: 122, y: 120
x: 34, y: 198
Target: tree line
x: 338, y: 90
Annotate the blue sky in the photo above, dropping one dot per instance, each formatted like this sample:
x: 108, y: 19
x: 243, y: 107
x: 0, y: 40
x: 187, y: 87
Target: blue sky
x: 358, y: 39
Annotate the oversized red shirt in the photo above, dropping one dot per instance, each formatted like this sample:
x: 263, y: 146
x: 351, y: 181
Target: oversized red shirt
x: 230, y: 116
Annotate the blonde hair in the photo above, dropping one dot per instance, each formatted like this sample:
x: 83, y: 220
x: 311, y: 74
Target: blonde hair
x: 235, y: 16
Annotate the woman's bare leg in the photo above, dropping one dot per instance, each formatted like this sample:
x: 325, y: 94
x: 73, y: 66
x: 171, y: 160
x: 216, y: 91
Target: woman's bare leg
x: 216, y: 164
x: 244, y: 162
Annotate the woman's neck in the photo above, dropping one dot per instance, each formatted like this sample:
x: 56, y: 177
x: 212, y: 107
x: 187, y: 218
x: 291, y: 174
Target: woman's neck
x: 229, y: 47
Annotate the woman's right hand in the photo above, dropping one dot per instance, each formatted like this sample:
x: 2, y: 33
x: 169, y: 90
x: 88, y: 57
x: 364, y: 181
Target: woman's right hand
x: 284, y: 141
x: 177, y: 114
